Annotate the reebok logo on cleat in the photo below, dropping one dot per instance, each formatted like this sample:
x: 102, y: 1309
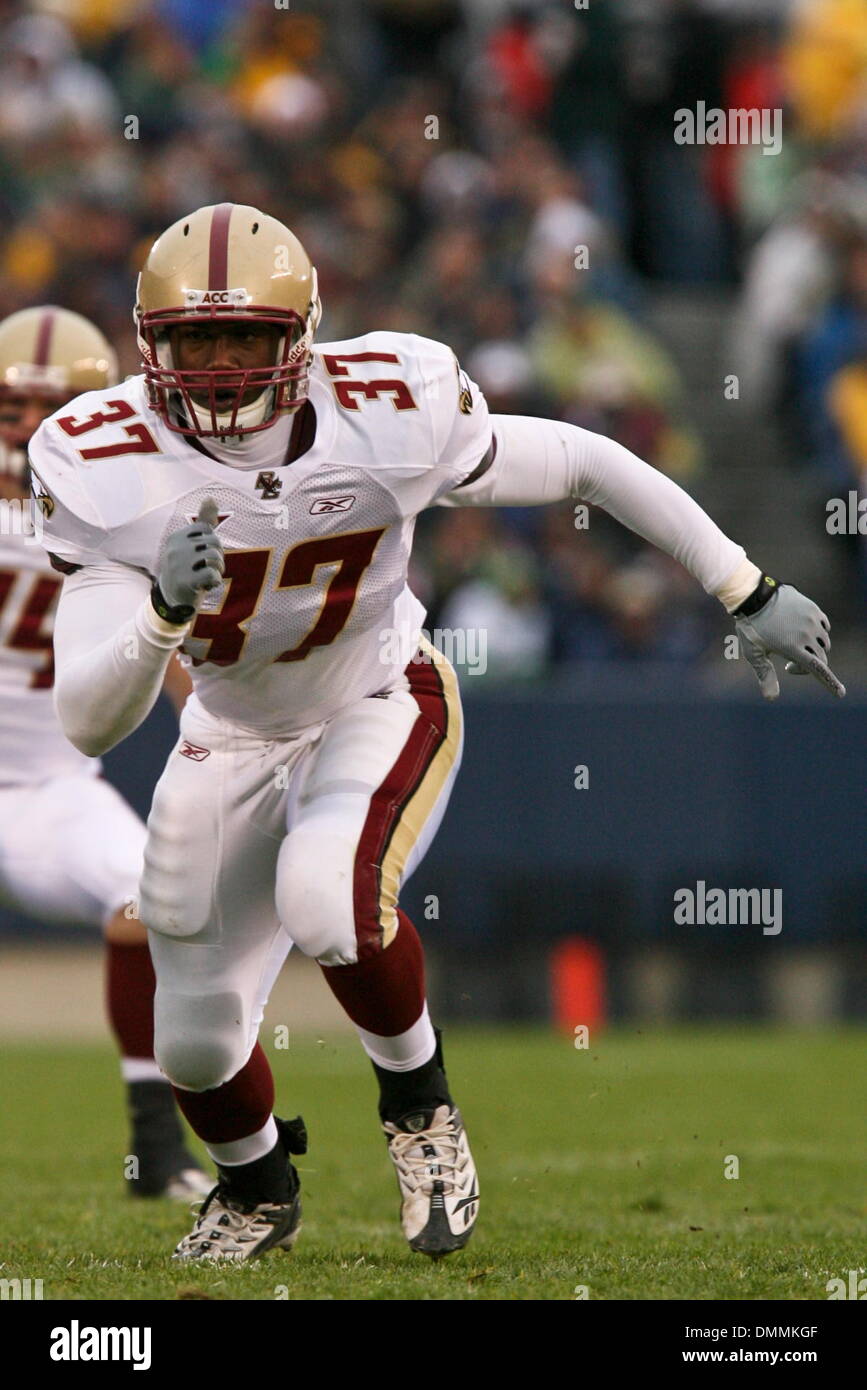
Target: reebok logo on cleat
x: 465, y: 1201
x: 414, y: 1124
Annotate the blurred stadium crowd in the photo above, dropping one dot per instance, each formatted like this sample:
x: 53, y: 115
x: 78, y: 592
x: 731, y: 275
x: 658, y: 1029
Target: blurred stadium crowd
x: 444, y: 162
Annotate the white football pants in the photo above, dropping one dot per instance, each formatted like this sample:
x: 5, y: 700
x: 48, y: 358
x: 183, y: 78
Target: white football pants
x: 70, y: 849
x: 253, y: 845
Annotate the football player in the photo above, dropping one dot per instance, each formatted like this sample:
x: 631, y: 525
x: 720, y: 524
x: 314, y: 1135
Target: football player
x: 70, y: 847
x: 250, y: 499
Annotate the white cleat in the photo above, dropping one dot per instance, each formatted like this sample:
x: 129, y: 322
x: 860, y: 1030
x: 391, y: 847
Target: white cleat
x: 227, y: 1230
x: 436, y: 1175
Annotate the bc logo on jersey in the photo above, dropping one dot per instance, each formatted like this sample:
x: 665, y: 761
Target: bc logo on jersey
x: 270, y: 484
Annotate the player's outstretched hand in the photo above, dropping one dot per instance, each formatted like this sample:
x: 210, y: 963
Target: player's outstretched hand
x: 193, y: 560
x: 792, y: 626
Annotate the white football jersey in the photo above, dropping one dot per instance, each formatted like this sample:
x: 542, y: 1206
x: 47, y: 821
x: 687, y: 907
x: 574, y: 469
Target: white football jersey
x: 315, y: 610
x: 33, y: 746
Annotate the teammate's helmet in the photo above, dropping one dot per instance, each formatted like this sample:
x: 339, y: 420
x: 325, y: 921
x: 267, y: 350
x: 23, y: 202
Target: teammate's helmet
x: 50, y: 354
x: 233, y: 263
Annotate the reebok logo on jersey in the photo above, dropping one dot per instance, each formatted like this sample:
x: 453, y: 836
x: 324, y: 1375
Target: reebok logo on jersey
x: 331, y: 504
x: 191, y: 750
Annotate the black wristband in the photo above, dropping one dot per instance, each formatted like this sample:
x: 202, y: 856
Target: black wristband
x: 764, y: 590
x: 180, y: 614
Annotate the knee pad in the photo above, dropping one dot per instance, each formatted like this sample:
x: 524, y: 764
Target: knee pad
x: 199, y: 1042
x: 314, y: 895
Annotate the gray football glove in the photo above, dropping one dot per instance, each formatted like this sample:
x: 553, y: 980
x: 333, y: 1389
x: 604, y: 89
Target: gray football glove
x: 788, y: 624
x: 192, y: 563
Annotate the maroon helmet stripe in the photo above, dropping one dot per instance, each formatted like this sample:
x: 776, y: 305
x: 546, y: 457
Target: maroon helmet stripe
x: 43, y: 338
x: 218, y: 251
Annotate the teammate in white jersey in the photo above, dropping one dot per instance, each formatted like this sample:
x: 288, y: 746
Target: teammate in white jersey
x: 70, y: 846
x: 250, y: 499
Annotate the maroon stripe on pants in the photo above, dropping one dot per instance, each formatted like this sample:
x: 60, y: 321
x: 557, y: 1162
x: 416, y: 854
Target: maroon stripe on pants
x: 218, y: 248
x: 43, y: 338
x: 391, y: 798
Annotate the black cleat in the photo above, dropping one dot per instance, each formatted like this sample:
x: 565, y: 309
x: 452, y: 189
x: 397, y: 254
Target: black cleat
x: 227, y: 1230
x: 232, y: 1225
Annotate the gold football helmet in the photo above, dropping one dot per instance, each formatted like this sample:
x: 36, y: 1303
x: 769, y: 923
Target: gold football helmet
x: 47, y: 355
x: 227, y: 263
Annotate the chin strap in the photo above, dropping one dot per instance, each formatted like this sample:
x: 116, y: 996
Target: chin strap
x: 244, y: 418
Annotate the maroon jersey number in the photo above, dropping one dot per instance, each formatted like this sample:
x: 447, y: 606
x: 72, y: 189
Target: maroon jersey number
x: 245, y: 575
x: 346, y: 391
x: 28, y: 634
x: 139, y: 439
x: 353, y: 553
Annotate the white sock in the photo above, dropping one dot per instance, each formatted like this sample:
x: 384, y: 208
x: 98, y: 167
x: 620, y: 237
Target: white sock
x: 245, y: 1150
x: 405, y: 1051
x: 141, y: 1069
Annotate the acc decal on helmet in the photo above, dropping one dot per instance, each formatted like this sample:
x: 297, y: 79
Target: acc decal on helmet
x: 229, y: 263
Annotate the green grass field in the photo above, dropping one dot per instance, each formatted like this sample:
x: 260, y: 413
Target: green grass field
x: 602, y: 1168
